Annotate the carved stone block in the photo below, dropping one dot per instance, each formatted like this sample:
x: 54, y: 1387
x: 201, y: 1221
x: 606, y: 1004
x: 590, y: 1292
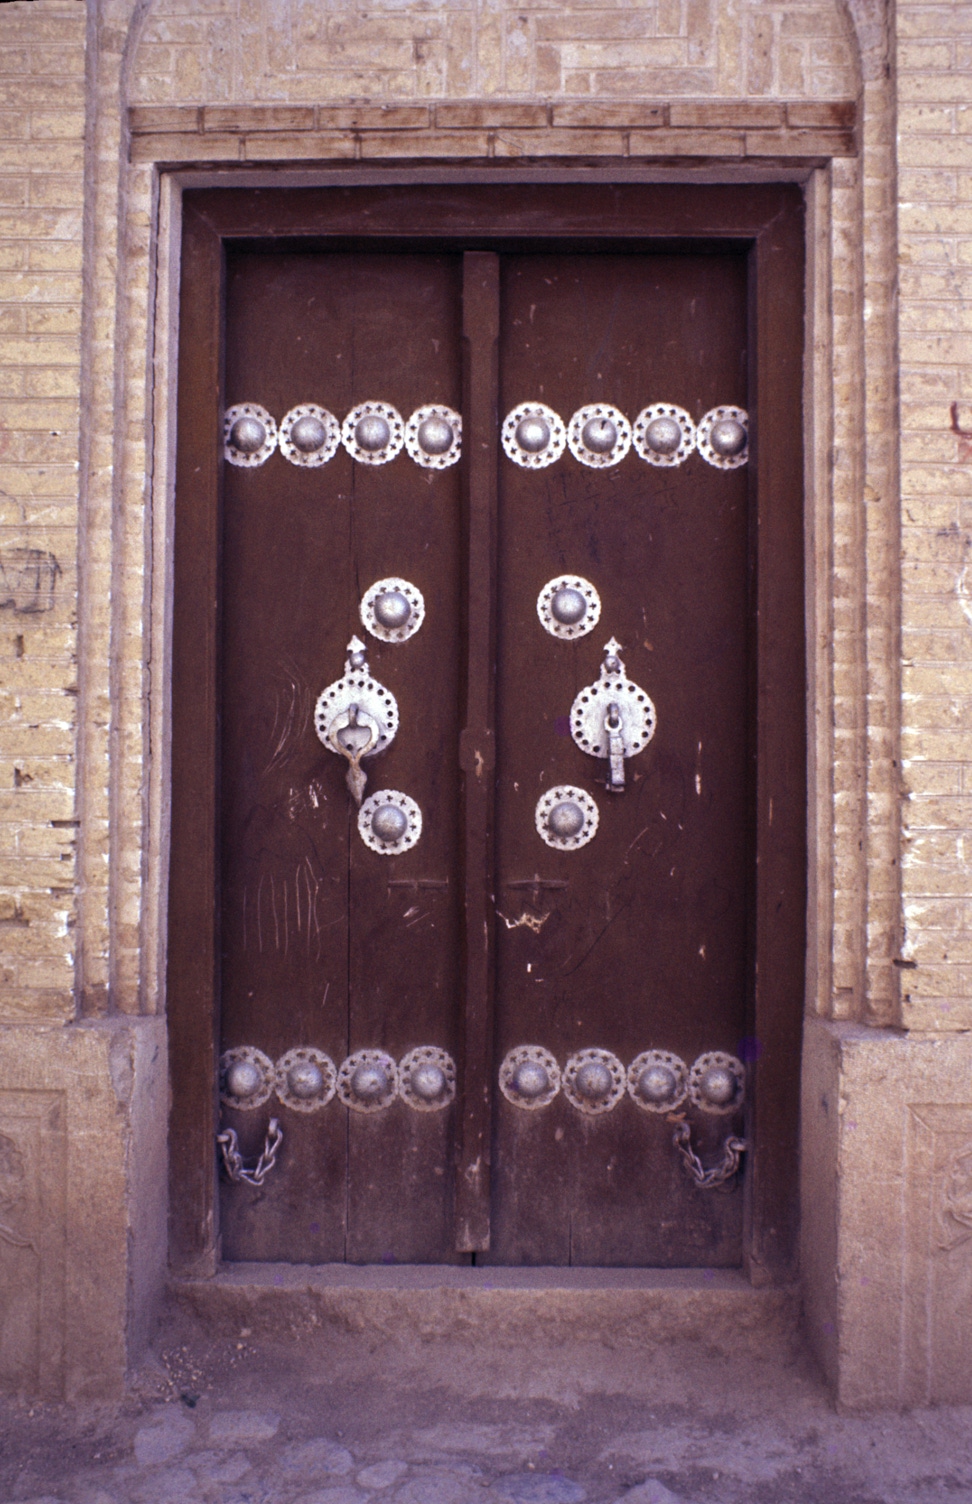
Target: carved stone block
x: 938, y: 1254
x: 32, y: 1241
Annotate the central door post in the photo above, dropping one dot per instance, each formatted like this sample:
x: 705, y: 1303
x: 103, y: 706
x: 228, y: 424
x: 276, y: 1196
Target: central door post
x: 480, y: 337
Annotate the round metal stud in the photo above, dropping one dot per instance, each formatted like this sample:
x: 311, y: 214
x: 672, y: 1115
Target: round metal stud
x: 657, y: 1081
x: 427, y: 1078
x: 664, y: 434
x: 309, y: 435
x: 246, y: 1078
x: 305, y: 1079
x: 566, y: 817
x: 599, y: 435
x: 373, y: 433
x: 723, y: 437
x: 433, y: 436
x: 568, y: 607
x: 533, y: 436
x: 367, y: 1081
x: 717, y: 1082
x: 392, y: 610
x: 594, y: 1081
x: 249, y: 434
x: 389, y: 822
x: 529, y: 1077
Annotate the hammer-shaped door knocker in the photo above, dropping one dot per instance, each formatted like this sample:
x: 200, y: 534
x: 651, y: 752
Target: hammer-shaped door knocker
x: 356, y: 717
x: 613, y: 718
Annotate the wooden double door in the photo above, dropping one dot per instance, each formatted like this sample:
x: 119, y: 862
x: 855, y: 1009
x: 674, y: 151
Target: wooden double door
x: 481, y: 1003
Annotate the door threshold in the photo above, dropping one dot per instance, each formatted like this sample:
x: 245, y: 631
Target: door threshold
x: 431, y: 1301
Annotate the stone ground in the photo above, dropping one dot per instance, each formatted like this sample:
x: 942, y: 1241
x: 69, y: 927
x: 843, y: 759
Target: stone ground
x: 343, y: 1418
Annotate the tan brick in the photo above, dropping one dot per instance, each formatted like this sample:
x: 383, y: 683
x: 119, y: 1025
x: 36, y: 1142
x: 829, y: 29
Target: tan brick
x: 196, y: 148
x: 373, y: 117
x: 742, y: 116
x: 687, y: 143
x: 489, y: 116
x: 433, y: 144
x: 156, y: 120
x: 249, y: 118
x: 555, y: 143
x: 838, y: 114
x: 309, y: 146
x: 597, y: 114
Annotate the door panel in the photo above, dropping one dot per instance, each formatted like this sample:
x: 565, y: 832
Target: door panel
x: 325, y: 943
x: 679, y: 926
x: 644, y: 945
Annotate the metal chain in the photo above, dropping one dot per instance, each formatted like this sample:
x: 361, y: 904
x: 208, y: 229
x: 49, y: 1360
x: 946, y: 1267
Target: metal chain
x: 732, y: 1151
x: 233, y: 1159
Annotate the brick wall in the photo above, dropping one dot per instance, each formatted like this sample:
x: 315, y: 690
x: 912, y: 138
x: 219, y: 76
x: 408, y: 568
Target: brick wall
x: 935, y: 247
x: 41, y: 202
x: 301, y: 51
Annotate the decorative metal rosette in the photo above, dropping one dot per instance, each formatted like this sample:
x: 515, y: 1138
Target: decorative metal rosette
x: 717, y: 1082
x: 357, y: 687
x: 249, y: 434
x: 593, y: 1081
x: 389, y: 822
x: 657, y: 1081
x: 427, y: 1078
x: 433, y: 436
x: 368, y: 1081
x: 529, y: 1077
x: 306, y: 1079
x: 392, y: 610
x: 309, y: 435
x: 664, y: 434
x: 373, y: 432
x: 568, y: 607
x: 566, y: 817
x: 533, y: 436
x: 246, y: 1077
x: 599, y: 435
x: 722, y: 437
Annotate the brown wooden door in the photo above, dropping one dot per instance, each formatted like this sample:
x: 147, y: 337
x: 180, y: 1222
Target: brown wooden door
x: 483, y: 938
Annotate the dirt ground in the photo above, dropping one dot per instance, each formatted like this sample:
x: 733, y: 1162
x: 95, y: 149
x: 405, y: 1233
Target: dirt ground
x: 340, y: 1418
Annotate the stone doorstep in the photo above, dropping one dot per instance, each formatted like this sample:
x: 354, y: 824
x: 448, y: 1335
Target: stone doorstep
x: 511, y: 1306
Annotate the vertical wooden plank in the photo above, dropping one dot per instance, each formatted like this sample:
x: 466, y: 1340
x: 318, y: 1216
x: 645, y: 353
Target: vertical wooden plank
x: 480, y: 329
x: 192, y: 955
x: 779, y: 910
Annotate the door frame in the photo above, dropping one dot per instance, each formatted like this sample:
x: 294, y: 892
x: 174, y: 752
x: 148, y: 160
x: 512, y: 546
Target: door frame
x: 766, y: 221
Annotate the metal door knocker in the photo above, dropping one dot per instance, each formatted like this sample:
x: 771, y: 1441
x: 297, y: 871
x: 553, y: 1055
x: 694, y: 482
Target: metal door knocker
x: 613, y: 718
x: 356, y: 716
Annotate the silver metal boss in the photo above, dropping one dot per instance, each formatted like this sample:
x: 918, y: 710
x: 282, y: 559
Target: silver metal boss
x: 529, y: 1077
x: 309, y: 435
x: 657, y: 1080
x: 593, y: 1081
x: 373, y: 433
x: 664, y: 434
x: 427, y: 1078
x: 566, y: 817
x: 533, y: 436
x: 368, y: 1081
x: 568, y: 607
x: 722, y: 438
x: 717, y: 1082
x: 433, y: 436
x: 306, y: 1079
x: 599, y: 435
x: 389, y: 822
x: 392, y: 609
x: 246, y: 1077
x: 249, y: 434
